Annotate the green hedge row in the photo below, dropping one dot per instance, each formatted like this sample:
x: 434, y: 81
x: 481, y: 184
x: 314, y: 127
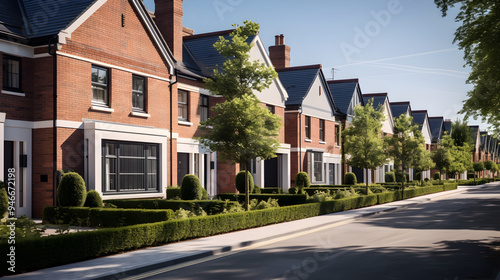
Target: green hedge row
x: 283, y: 199
x: 32, y: 254
x: 104, y: 217
x: 173, y: 192
x: 212, y: 207
x: 271, y: 190
x: 478, y: 181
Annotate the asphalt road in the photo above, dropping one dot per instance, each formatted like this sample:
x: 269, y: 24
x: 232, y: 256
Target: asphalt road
x: 455, y: 237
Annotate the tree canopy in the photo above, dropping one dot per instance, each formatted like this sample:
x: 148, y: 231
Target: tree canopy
x: 363, y: 141
x: 241, y: 129
x: 479, y: 38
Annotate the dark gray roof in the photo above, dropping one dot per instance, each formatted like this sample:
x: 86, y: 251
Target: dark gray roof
x: 11, y: 20
x: 34, y: 18
x: 399, y: 109
x: 378, y: 100
x: 342, y: 93
x: 419, y: 118
x: 297, y: 82
x: 447, y: 127
x: 200, y: 55
x: 474, y: 130
x: 437, y: 127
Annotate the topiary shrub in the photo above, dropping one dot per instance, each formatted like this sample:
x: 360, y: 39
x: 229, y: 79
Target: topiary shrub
x: 71, y: 190
x: 350, y: 178
x: 191, y: 188
x: 240, y: 182
x: 256, y: 189
x: 390, y: 177
x: 302, y: 180
x: 399, y: 176
x: 4, y: 201
x: 426, y: 180
x: 93, y: 199
x: 436, y: 176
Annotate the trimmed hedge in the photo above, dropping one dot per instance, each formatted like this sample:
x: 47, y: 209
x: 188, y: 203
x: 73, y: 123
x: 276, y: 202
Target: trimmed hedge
x: 271, y: 190
x: 103, y: 217
x: 212, y: 207
x: 173, y: 192
x: 283, y: 199
x: 33, y: 254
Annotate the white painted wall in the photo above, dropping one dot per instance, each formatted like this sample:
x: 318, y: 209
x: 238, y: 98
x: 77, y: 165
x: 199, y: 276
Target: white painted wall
x: 316, y: 104
x: 426, y: 132
x: 388, y: 124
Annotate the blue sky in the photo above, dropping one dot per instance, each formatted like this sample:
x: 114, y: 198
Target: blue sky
x: 403, y: 47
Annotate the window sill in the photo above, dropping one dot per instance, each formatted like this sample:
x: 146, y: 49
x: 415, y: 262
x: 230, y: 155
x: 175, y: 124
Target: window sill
x: 322, y: 142
x: 140, y: 115
x: 337, y: 147
x: 102, y: 109
x: 185, y: 123
x: 308, y: 140
x: 21, y: 94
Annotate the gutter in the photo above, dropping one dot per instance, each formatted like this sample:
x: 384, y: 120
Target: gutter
x: 53, y: 43
x: 171, y: 127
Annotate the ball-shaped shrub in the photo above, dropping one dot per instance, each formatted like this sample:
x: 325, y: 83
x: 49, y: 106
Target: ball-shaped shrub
x: 191, y: 188
x: 240, y: 182
x: 256, y: 189
x: 436, y: 176
x: 71, y: 190
x: 417, y: 176
x: 4, y: 201
x: 350, y: 178
x: 93, y: 199
x: 302, y: 180
x: 390, y: 177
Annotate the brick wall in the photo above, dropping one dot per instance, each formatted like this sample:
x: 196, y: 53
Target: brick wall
x: 42, y: 192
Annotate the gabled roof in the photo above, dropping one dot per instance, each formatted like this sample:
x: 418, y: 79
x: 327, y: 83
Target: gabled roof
x: 474, y: 130
x: 378, y: 99
x: 297, y: 81
x: 437, y: 128
x: 199, y: 55
x: 419, y: 117
x: 447, y: 127
x: 23, y: 18
x: 400, y: 108
x: 343, y: 92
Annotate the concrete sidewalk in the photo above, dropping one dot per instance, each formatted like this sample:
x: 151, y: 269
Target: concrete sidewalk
x: 140, y: 261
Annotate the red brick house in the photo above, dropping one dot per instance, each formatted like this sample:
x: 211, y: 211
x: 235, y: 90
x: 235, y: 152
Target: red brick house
x: 86, y: 87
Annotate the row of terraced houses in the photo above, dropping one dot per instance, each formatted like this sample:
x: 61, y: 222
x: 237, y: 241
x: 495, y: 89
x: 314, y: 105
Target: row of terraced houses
x: 115, y: 92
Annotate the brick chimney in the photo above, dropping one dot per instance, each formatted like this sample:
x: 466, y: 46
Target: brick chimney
x: 280, y: 53
x: 168, y: 18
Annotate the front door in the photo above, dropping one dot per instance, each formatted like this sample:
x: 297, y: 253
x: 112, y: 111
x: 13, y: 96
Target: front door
x: 271, y: 173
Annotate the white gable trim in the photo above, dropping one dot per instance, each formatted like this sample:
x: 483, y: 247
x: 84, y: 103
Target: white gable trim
x: 66, y: 33
x: 426, y: 121
x: 258, y: 43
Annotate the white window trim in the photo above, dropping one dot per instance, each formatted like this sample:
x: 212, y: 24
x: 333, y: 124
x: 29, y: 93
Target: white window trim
x: 139, y: 114
x: 322, y: 142
x: 185, y: 123
x: 21, y: 94
x: 102, y: 109
x: 308, y: 140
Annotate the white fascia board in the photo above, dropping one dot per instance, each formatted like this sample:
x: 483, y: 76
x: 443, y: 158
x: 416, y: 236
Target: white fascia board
x: 125, y: 128
x: 16, y: 49
x: 258, y: 43
x: 191, y: 88
x: 2, y: 117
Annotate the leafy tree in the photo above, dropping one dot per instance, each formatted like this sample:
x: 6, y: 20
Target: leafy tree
x: 488, y: 165
x: 363, y: 140
x: 461, y: 159
x: 478, y: 167
x: 241, y: 129
x: 402, y: 146
x: 461, y: 133
x: 479, y: 37
x: 423, y: 161
x: 494, y: 169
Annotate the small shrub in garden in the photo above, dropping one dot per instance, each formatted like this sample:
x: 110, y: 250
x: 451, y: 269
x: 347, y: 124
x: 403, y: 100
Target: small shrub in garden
x: 350, y: 178
x: 346, y: 193
x: 426, y: 180
x: 259, y: 205
x: 417, y: 176
x: 240, y: 182
x: 390, y: 177
x: 256, y: 189
x: 71, y: 190
x: 93, y: 199
x: 436, y: 176
x: 4, y: 201
x: 319, y: 197
x: 376, y: 188
x: 302, y: 180
x: 191, y: 188
x: 205, y: 194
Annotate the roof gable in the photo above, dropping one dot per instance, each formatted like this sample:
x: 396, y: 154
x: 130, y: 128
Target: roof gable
x: 298, y: 81
x: 346, y: 94
x: 400, y: 108
x: 422, y: 120
x: 437, y: 128
x: 382, y: 99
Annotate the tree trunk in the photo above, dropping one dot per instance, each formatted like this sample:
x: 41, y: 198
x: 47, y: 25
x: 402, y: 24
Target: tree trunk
x: 366, y: 181
x: 247, y: 189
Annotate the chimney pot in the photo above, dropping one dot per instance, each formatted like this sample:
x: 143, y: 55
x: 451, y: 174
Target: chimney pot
x: 277, y: 40
x: 282, y: 39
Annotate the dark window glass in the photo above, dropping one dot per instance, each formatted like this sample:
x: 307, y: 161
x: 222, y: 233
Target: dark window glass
x: 11, y: 73
x: 183, y: 105
x: 318, y: 167
x: 100, y: 81
x: 337, y: 135
x: 308, y: 127
x: 130, y: 167
x: 321, y: 130
x: 138, y: 93
x: 203, y: 108
x: 270, y: 108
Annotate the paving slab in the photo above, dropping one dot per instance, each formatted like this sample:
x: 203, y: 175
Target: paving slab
x: 143, y: 260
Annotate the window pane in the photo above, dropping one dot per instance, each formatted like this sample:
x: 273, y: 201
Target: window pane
x: 12, y: 73
x: 95, y: 75
x: 103, y: 76
x: 318, y: 166
x: 138, y: 83
x: 131, y: 150
x: 110, y: 174
x: 99, y: 85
